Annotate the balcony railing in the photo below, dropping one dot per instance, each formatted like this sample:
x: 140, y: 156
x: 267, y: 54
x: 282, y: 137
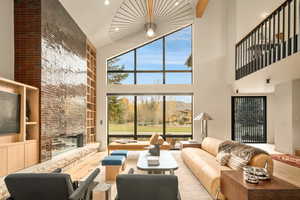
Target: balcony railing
x: 272, y: 40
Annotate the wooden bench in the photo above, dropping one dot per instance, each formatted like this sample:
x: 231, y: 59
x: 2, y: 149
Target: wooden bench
x: 137, y: 146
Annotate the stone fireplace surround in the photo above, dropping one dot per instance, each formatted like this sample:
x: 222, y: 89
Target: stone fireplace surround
x: 65, y: 161
x: 50, y: 54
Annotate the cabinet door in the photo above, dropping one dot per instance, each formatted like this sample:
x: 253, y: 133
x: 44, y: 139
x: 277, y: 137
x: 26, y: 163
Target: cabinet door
x: 3, y: 161
x: 15, y: 158
x: 31, y: 154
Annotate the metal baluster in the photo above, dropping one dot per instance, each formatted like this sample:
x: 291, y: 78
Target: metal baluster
x: 236, y: 62
x: 269, y: 41
x: 283, y: 31
x: 278, y: 39
x: 259, y: 49
x: 274, y: 38
x: 295, y: 28
x: 289, y: 29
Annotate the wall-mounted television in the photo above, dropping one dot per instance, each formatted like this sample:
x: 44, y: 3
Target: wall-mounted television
x: 9, y: 113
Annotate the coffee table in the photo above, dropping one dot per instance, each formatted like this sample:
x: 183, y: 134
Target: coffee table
x: 167, y: 163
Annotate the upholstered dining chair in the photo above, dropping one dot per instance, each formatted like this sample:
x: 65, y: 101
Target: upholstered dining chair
x: 147, y: 187
x: 49, y: 186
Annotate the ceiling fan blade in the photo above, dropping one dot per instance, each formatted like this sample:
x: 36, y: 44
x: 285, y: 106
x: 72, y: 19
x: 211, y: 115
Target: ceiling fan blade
x: 149, y: 11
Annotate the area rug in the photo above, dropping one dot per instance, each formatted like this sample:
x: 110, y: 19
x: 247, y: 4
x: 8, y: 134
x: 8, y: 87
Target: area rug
x: 189, y: 186
x: 287, y: 159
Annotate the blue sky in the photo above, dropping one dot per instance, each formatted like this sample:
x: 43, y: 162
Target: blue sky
x: 150, y: 57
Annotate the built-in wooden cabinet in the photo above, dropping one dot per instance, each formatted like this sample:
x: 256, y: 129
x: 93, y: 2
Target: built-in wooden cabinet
x: 21, y: 150
x: 91, y: 93
x: 3, y: 161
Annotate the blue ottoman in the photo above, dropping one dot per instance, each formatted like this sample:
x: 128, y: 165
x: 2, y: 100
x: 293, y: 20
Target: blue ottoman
x: 120, y: 153
x: 113, y: 166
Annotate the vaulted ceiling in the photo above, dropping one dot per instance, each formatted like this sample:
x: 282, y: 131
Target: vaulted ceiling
x: 96, y: 19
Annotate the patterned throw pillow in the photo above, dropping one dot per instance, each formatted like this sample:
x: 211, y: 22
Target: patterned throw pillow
x: 223, y: 158
x: 236, y: 162
x: 154, y: 138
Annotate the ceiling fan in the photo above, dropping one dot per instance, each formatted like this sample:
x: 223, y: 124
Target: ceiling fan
x: 150, y: 26
x: 146, y: 15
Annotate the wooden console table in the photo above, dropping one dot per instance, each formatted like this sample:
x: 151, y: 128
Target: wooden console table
x: 234, y: 187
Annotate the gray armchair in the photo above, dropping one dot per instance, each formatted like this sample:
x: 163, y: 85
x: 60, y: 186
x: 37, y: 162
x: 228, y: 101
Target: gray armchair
x: 49, y: 186
x: 147, y: 187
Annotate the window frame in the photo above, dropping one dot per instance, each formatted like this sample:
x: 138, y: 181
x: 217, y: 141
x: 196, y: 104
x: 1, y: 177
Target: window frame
x: 135, y: 134
x: 163, y: 71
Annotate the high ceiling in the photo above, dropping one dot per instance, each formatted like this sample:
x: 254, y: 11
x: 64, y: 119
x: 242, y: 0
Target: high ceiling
x: 95, y: 18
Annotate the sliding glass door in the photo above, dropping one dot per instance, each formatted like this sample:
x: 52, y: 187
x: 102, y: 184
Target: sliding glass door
x: 138, y: 117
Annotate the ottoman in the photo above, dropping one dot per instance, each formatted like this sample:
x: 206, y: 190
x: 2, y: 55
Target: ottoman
x: 120, y: 153
x: 113, y: 166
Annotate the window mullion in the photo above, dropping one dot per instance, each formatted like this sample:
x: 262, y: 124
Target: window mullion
x: 164, y: 60
x: 135, y: 117
x: 164, y: 117
x: 135, y: 67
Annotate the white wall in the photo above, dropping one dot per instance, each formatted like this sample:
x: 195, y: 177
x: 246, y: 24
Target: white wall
x: 249, y: 13
x: 210, y: 57
x: 287, y: 116
x: 6, y: 39
x: 296, y: 114
x: 283, y: 120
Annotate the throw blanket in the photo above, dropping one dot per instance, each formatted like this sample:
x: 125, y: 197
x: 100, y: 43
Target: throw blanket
x: 245, y: 152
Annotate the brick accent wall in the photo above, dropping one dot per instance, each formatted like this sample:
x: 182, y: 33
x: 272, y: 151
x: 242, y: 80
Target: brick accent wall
x: 51, y: 55
x: 27, y: 20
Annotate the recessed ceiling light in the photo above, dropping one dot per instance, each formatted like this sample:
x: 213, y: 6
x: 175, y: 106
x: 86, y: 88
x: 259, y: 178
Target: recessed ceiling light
x: 106, y: 2
x: 176, y: 3
x: 117, y: 29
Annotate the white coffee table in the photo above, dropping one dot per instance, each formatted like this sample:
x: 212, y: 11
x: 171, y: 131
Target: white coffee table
x: 166, y: 163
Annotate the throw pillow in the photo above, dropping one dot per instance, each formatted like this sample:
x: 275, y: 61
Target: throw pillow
x: 154, y: 139
x: 160, y: 140
x: 223, y: 158
x: 236, y: 162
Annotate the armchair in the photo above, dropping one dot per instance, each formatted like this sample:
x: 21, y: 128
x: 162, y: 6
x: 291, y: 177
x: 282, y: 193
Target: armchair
x: 49, y: 186
x: 147, y: 187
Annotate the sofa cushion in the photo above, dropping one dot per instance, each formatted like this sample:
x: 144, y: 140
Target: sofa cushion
x: 211, y: 145
x: 261, y: 160
x: 113, y: 160
x: 205, y: 167
x: 119, y: 153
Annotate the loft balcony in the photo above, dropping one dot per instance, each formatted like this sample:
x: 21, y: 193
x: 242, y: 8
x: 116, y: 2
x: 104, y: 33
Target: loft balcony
x: 269, y: 47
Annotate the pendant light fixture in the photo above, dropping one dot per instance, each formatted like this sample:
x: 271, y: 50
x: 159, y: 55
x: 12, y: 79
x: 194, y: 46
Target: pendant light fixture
x: 150, y: 29
x: 150, y: 26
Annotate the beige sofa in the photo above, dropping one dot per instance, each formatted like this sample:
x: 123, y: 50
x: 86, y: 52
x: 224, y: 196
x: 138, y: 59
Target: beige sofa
x: 202, y: 162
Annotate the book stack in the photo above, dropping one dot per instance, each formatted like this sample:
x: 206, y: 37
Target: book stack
x: 153, y: 160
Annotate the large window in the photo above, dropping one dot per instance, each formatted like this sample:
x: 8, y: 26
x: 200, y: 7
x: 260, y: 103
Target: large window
x: 167, y: 60
x: 249, y: 119
x: 140, y: 116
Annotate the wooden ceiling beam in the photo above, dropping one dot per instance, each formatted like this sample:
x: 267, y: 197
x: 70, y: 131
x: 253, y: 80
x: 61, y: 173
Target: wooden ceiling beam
x: 149, y: 11
x: 201, y: 7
